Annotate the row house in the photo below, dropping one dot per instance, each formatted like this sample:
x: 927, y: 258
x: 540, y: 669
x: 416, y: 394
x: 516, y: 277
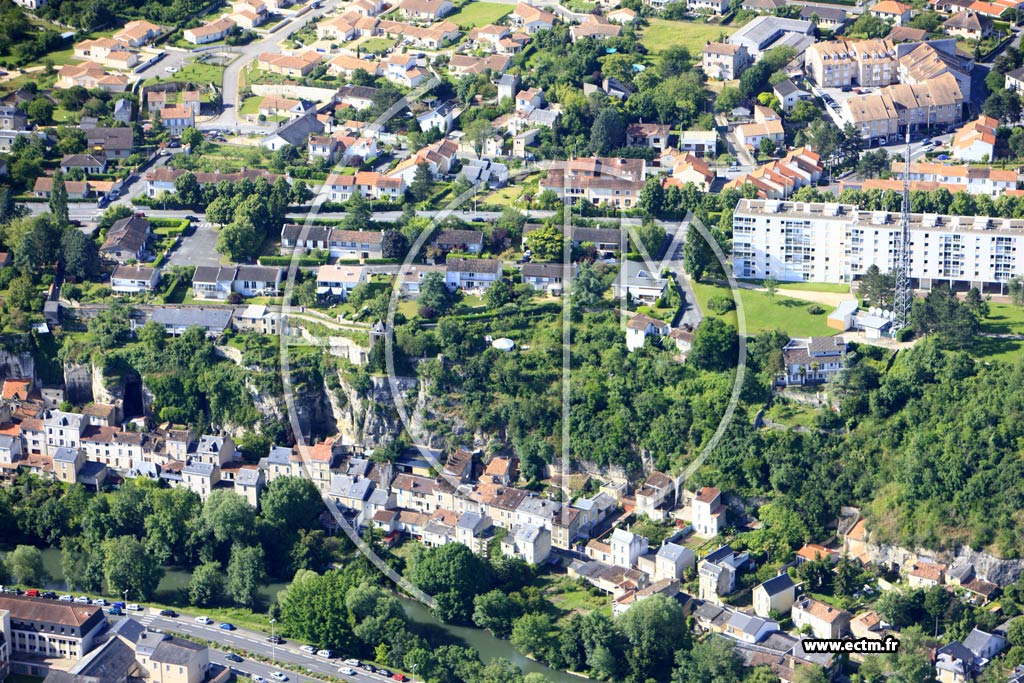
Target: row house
x: 886, y: 113
x: 210, y: 32
x: 971, y: 179
x: 220, y: 282
x: 779, y: 179
x: 613, y: 182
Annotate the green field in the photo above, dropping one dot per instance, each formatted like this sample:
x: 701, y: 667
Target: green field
x: 479, y: 14
x: 375, y: 46
x: 809, y: 286
x: 663, y: 34
x: 198, y: 74
x: 1001, y: 319
x: 762, y: 313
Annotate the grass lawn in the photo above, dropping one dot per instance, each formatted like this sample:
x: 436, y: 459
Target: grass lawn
x: 376, y: 45
x: 792, y: 414
x: 809, y: 286
x: 762, y: 313
x: 1003, y: 319
x: 664, y: 33
x: 479, y: 14
x: 250, y: 106
x: 199, y: 74
x: 571, y: 596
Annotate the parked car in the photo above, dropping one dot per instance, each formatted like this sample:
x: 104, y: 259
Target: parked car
x: 227, y: 627
x: 279, y: 676
x: 353, y: 662
x: 49, y: 595
x: 119, y: 603
x: 168, y: 613
x: 171, y: 69
x: 83, y: 600
x: 276, y: 640
x: 232, y: 657
x: 259, y: 679
x: 309, y: 649
x: 115, y: 611
x: 66, y: 598
x: 205, y: 621
x: 326, y: 654
x: 399, y: 677
x: 100, y: 602
x: 135, y: 607
x: 32, y: 592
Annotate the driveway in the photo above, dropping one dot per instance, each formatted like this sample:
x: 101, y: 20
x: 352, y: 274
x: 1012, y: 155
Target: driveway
x: 198, y: 249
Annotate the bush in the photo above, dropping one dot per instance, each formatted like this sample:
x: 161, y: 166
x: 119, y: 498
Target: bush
x: 905, y: 334
x: 815, y: 309
x: 721, y: 304
x: 301, y: 261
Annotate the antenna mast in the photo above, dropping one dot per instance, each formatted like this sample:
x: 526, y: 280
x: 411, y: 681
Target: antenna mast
x: 904, y: 296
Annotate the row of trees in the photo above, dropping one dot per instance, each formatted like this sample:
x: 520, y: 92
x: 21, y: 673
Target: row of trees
x: 123, y: 540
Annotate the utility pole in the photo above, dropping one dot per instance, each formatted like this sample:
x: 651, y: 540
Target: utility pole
x: 904, y: 296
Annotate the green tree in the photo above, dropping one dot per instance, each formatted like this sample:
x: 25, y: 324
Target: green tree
x: 240, y: 240
x: 496, y: 611
x: 128, y: 566
x: 59, y: 199
x: 545, y: 244
x: 771, y: 287
x: 943, y: 314
x: 25, y: 566
x: 453, y: 575
x: 652, y: 198
x: 422, y: 184
x: 40, y: 110
x: 435, y: 297
x: 393, y: 244
x: 713, y: 659
x: 728, y: 99
x: 714, y: 345
x: 245, y: 574
x: 587, y: 288
x: 698, y: 257
x: 82, y: 565
x: 226, y: 517
x: 187, y: 188
x: 655, y: 629
x: 81, y: 256
x: 207, y: 585
x: 22, y: 295
x: 111, y: 326
x: 535, y: 634
x: 766, y: 147
x: 191, y: 137
x: 868, y: 26
x: 608, y: 131
x: 499, y: 294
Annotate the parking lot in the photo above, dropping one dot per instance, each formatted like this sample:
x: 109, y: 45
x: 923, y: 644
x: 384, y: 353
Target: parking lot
x: 197, y: 249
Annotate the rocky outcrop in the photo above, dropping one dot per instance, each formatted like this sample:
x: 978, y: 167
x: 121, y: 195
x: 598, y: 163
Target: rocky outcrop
x: 366, y: 415
x: 78, y: 382
x: 16, y: 360
x: 994, y: 569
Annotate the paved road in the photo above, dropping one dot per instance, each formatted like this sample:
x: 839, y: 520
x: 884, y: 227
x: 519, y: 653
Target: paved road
x: 228, y: 119
x: 256, y: 643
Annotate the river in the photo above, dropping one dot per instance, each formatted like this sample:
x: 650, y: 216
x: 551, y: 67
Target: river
x: 489, y: 647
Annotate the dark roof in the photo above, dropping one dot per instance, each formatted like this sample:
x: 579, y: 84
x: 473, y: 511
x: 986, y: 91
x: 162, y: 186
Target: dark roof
x: 469, y: 265
x: 358, y: 91
x: 357, y: 236
x: 296, y: 132
x: 128, y: 233
x: 175, y: 651
x: 209, y: 318
x: 315, y: 233
x: 76, y: 160
x: 459, y: 237
x: 110, y: 662
x: 836, y: 14
x: 776, y: 585
x: 786, y: 87
x: 110, y: 138
x: 542, y: 270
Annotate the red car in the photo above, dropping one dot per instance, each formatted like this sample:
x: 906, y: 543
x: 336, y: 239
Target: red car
x: 32, y: 592
x: 399, y: 677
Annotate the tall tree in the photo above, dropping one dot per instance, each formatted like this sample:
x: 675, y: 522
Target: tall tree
x: 608, y: 131
x: 59, y: 199
x: 81, y: 256
x: 25, y: 566
x: 422, y: 183
x: 207, y: 585
x: 128, y: 566
x: 245, y: 574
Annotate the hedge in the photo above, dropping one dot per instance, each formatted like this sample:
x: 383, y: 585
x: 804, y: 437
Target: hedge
x: 301, y: 261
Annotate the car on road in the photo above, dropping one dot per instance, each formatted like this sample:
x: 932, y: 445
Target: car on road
x: 66, y: 598
x: 227, y: 626
x: 83, y: 600
x: 49, y: 595
x: 353, y: 662
x: 171, y: 69
x: 326, y: 654
x: 205, y: 621
x: 279, y: 676
x: 115, y: 611
x: 384, y: 672
x: 347, y: 671
x: 168, y: 613
x: 232, y: 657
x: 309, y: 649
x: 399, y: 677
x: 276, y: 640
x: 133, y: 607
x: 100, y: 602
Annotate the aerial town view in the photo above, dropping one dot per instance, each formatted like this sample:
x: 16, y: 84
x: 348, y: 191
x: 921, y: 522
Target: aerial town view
x: 511, y: 341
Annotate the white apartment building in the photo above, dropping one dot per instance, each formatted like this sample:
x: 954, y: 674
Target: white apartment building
x: 821, y: 242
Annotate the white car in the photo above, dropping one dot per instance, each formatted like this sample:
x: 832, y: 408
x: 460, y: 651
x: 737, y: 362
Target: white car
x: 134, y: 607
x: 279, y: 676
x: 347, y: 671
x: 326, y: 654
x: 66, y: 598
x: 258, y: 679
x: 171, y: 69
x: 309, y: 649
x: 205, y: 621
x: 83, y: 600
x: 353, y: 662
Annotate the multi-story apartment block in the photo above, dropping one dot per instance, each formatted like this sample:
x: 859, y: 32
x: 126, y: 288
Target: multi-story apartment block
x: 819, y: 242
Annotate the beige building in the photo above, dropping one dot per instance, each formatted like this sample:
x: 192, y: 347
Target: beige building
x: 841, y: 63
x: 723, y: 61
x: 824, y: 620
x: 774, y: 595
x: 936, y: 103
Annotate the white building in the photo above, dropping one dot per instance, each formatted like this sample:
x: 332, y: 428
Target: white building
x: 818, y: 242
x: 626, y: 547
x: 642, y: 326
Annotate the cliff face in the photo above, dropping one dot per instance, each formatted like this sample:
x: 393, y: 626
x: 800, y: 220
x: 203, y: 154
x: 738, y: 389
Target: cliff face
x: 369, y: 418
x: 16, y: 359
x: 78, y: 382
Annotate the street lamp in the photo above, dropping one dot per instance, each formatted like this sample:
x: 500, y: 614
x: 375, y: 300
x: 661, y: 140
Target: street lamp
x: 273, y: 642
x: 125, y: 593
